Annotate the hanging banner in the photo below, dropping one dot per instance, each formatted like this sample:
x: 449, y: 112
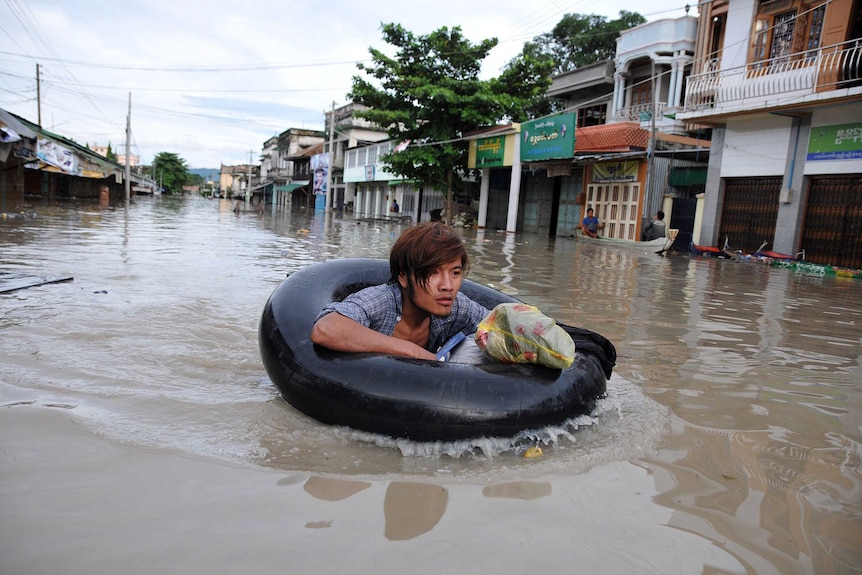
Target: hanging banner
x: 841, y: 142
x: 319, y: 168
x: 615, y: 172
x: 56, y: 155
x: 550, y: 138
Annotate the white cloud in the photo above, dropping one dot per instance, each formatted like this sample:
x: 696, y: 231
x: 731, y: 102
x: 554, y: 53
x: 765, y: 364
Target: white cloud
x: 210, y: 80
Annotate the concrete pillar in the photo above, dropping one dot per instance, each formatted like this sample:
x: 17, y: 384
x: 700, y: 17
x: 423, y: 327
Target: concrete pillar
x: 680, y: 71
x: 619, y: 94
x: 671, y: 89
x: 791, y: 202
x: 714, y: 196
x: 615, y: 100
x: 514, y: 189
x: 484, y: 191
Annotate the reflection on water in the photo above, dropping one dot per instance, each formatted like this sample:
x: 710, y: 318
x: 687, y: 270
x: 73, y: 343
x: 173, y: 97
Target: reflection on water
x: 737, y: 385
x: 412, y: 509
x: 329, y: 489
x: 519, y: 490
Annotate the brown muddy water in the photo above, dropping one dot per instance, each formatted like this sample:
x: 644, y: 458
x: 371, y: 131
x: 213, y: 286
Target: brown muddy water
x: 729, y: 441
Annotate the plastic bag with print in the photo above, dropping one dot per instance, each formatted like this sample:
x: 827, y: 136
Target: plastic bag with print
x: 520, y: 333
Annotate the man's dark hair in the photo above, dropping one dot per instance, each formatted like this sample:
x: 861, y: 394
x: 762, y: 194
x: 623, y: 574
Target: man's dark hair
x: 660, y: 214
x: 422, y: 248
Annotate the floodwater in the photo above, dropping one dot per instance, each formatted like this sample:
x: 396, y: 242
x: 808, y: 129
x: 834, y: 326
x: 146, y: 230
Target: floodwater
x: 729, y: 441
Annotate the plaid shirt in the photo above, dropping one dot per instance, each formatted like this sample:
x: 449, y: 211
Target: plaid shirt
x: 379, y: 308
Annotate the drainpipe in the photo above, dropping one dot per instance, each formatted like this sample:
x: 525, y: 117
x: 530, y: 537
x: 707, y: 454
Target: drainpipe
x: 785, y: 196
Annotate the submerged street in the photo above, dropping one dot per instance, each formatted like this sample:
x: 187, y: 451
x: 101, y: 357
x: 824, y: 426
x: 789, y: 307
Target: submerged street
x: 140, y: 431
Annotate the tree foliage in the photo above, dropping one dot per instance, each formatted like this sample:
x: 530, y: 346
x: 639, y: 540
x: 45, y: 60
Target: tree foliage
x: 580, y: 40
x: 528, y: 76
x: 171, y: 171
x: 430, y: 93
x: 110, y: 154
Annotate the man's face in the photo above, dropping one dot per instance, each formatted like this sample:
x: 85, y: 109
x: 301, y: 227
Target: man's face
x: 438, y: 295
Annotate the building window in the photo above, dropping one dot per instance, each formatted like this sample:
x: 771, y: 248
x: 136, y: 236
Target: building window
x: 815, y: 30
x: 785, y: 30
x: 782, y: 36
x: 641, y: 92
x: 761, y: 39
x: 592, y: 116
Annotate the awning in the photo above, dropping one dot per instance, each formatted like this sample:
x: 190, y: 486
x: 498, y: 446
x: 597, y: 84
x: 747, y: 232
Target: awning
x: 687, y: 176
x: 261, y: 186
x: 290, y: 187
x: 12, y: 122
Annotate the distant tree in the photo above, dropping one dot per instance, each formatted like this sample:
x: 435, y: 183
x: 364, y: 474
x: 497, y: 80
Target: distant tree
x: 110, y: 153
x: 171, y: 172
x: 527, y: 78
x: 580, y: 40
x: 430, y: 94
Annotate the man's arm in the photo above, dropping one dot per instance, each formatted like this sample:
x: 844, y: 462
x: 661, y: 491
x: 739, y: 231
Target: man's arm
x: 340, y: 333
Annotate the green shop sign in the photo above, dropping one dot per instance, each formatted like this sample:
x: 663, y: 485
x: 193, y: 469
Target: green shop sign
x: 549, y: 138
x: 490, y: 152
x: 840, y: 142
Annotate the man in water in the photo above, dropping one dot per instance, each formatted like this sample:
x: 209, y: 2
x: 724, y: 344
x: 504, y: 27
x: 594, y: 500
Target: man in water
x: 654, y: 229
x: 417, y: 310
x: 591, y: 225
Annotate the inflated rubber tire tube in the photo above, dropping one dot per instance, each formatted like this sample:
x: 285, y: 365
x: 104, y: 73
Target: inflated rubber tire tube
x: 409, y: 398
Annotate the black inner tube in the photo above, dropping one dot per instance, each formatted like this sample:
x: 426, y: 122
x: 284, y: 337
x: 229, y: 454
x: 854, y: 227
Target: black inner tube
x: 417, y: 399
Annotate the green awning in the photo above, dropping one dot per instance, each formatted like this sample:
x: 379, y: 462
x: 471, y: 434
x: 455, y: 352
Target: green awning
x: 290, y: 187
x: 693, y: 176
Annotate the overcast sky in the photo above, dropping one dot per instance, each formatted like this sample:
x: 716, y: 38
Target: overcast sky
x: 211, y: 80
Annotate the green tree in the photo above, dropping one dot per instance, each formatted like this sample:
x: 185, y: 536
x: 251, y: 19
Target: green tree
x: 171, y: 172
x: 580, y: 40
x: 110, y: 154
x: 430, y: 93
x: 527, y: 78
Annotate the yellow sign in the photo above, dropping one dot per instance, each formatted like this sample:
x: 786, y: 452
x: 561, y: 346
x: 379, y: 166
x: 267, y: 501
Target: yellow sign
x: 615, y: 172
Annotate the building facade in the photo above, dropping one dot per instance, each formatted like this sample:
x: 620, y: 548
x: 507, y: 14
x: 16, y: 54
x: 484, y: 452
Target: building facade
x: 629, y: 147
x: 38, y: 165
x: 780, y: 84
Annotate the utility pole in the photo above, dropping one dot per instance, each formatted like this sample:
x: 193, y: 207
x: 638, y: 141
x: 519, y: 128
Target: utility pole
x: 38, y: 98
x: 128, y: 149
x: 248, y: 187
x: 331, y: 160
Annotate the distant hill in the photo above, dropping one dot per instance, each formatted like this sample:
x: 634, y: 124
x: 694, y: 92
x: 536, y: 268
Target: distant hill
x: 207, y: 173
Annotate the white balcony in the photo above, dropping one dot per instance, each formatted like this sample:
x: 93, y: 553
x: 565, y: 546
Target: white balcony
x: 797, y: 78
x: 666, y: 36
x: 641, y: 113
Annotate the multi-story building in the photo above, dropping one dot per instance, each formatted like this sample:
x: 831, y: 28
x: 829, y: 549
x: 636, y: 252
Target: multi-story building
x: 780, y: 84
x: 237, y: 181
x: 347, y: 132
x: 371, y: 189
x: 284, y: 164
x: 134, y: 160
x: 631, y: 156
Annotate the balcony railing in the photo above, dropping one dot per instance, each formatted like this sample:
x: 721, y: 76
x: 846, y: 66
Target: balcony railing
x: 639, y: 113
x: 794, y: 76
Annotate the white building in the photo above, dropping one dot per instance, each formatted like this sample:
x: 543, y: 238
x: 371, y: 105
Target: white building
x: 780, y: 83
